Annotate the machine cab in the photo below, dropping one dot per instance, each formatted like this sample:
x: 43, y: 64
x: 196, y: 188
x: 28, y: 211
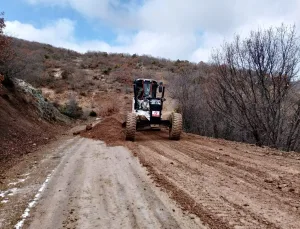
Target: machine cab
x: 146, y: 90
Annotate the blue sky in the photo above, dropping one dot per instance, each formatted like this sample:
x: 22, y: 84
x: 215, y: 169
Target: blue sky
x: 173, y: 29
x: 39, y: 15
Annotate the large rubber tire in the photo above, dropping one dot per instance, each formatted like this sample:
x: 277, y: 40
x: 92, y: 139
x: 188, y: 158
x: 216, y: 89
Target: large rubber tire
x: 130, y: 126
x: 176, y: 126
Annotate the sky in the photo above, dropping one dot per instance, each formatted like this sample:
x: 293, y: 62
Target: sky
x: 172, y: 29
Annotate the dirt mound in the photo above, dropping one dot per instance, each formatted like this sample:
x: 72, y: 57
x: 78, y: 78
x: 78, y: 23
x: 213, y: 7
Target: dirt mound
x: 109, y: 130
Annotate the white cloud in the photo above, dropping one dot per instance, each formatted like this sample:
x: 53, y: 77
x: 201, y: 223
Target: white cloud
x: 169, y: 28
x: 61, y: 34
x: 56, y: 33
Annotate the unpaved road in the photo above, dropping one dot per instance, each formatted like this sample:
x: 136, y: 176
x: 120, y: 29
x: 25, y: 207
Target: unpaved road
x: 95, y: 186
x: 184, y: 184
x: 227, y: 184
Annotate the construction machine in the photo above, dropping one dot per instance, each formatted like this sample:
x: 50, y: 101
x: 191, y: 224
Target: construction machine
x: 147, y: 107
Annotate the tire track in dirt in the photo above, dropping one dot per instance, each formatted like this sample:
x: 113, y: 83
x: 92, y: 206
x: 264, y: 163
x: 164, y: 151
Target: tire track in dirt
x: 226, y: 184
x: 239, y: 163
x: 256, y: 203
x: 212, y: 201
x: 254, y: 159
x: 246, y: 173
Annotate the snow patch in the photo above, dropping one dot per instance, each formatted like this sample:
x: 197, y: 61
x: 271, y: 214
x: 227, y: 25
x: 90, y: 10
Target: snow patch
x: 9, y: 192
x: 20, y: 224
x: 17, y: 182
x: 4, y: 201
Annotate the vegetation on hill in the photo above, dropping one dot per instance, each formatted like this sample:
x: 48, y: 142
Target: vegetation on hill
x: 247, y: 93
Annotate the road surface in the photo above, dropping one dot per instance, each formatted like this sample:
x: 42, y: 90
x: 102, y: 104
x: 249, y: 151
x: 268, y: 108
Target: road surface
x: 95, y: 186
x: 196, y: 182
x: 227, y: 184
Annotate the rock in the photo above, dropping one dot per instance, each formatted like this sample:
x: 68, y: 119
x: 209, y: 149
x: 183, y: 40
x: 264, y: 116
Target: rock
x: 291, y: 190
x: 282, y: 186
x: 89, y: 127
x: 76, y: 132
x: 269, y: 180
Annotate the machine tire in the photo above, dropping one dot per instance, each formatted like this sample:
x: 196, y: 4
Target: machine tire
x: 130, y: 126
x: 176, y: 126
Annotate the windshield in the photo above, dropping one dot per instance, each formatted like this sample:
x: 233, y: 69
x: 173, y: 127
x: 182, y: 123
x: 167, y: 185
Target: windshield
x: 147, y: 89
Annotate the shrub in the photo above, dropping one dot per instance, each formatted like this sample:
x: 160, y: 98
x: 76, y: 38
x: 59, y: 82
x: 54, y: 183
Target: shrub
x: 93, y: 114
x: 66, y: 72
x: 56, y: 104
x: 71, y: 109
x: 106, y: 71
x: 7, y: 82
x: 82, y: 93
x: 6, y: 55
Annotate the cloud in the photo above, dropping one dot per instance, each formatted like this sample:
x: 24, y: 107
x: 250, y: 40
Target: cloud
x: 61, y: 33
x: 55, y: 33
x: 116, y: 12
x: 169, y: 28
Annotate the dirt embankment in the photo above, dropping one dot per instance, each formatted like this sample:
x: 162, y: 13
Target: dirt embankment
x: 227, y: 184
x: 26, y: 121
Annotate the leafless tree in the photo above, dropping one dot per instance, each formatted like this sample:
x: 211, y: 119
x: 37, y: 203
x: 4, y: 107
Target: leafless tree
x: 6, y: 53
x: 254, y: 82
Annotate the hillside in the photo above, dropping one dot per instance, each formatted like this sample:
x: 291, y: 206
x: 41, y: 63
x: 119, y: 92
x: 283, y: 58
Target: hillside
x: 90, y: 78
x: 26, y: 122
x: 99, y: 82
x: 197, y: 182
x: 96, y: 81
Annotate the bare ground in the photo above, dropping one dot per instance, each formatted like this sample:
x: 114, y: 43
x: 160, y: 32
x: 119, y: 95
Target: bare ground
x: 226, y: 184
x: 96, y: 186
x: 197, y: 182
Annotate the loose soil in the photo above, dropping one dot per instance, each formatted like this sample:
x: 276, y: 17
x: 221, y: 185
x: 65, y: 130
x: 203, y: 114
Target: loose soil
x: 226, y: 184
x: 109, y: 130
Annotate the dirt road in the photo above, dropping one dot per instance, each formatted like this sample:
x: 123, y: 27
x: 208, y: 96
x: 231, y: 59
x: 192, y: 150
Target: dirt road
x: 95, y: 186
x: 184, y: 184
x: 227, y: 184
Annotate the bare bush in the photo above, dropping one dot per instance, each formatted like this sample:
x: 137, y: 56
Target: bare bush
x: 253, y: 86
x: 71, y: 109
x: 67, y: 71
x: 188, y: 89
x: 6, y: 54
x: 249, y: 93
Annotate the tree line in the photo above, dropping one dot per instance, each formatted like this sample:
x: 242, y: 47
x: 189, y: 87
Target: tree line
x: 248, y: 92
